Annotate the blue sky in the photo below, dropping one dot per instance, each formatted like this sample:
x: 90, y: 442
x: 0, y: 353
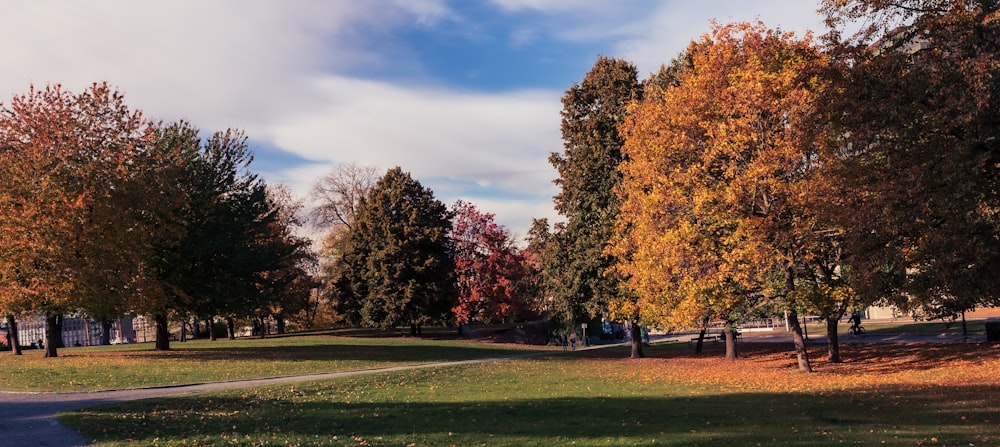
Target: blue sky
x: 462, y: 94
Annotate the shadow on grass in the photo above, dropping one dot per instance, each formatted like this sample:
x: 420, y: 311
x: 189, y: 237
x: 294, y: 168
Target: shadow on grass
x: 331, y: 350
x: 948, y: 415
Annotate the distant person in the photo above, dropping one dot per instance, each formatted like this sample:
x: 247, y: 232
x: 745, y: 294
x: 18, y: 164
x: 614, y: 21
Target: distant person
x: 562, y: 340
x: 572, y: 340
x: 855, y: 321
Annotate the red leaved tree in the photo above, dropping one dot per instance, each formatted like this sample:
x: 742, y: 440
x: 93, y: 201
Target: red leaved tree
x: 488, y: 267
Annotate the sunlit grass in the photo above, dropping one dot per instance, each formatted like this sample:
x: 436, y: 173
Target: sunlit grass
x: 882, y: 395
x: 133, y: 366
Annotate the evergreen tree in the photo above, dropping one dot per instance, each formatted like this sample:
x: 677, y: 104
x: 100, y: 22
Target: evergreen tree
x: 588, y: 175
x: 398, y: 258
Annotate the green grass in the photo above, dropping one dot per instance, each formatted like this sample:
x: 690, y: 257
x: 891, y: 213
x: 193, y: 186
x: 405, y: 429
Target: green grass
x: 133, y: 366
x: 910, y: 397
x: 926, y: 327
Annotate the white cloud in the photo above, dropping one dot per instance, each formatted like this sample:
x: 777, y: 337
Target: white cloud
x: 280, y: 70
x: 237, y: 63
x: 666, y: 31
x: 443, y: 137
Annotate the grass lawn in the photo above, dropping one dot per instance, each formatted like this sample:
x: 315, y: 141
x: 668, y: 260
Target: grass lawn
x: 134, y: 366
x: 899, y: 394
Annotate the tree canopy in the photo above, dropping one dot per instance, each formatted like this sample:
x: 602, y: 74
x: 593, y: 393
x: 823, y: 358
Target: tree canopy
x: 400, y: 268
x: 579, y: 268
x: 716, y: 181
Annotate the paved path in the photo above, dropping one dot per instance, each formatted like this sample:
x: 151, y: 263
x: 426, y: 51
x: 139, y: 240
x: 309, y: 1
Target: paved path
x: 28, y: 419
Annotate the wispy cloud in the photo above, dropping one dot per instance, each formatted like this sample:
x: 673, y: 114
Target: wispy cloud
x: 330, y: 81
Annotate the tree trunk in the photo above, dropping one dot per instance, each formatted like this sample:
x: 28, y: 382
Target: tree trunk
x: 57, y: 342
x: 833, y: 337
x: 636, y: 341
x: 162, y: 333
x: 105, y: 332
x: 52, y: 329
x: 263, y: 327
x: 231, y: 328
x: 13, y: 336
x: 413, y: 329
x: 210, y: 324
x: 799, y: 341
x: 793, y: 318
x: 699, y: 345
x: 730, y: 335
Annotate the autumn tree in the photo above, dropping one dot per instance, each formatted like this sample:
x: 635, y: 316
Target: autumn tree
x: 488, y: 268
x: 337, y: 195
x: 593, y: 109
x: 284, y: 284
x: 70, y: 201
x: 398, y: 257
x: 917, y: 115
x: 717, y: 182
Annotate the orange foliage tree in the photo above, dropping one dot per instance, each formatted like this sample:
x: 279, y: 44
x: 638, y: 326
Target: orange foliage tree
x: 716, y: 188
x: 70, y: 177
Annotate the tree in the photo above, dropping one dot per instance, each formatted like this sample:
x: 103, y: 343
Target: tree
x: 285, y: 284
x: 488, y: 268
x: 535, y: 283
x: 717, y: 183
x: 917, y: 114
x: 400, y: 268
x: 338, y: 194
x: 588, y: 175
x: 211, y: 261
x: 70, y: 167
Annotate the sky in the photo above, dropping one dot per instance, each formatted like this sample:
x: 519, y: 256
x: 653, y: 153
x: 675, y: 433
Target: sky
x: 463, y: 94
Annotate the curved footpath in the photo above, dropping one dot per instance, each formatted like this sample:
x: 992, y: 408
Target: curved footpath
x: 28, y: 419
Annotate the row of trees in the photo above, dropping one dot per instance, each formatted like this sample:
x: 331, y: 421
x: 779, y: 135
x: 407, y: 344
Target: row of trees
x: 394, y: 255
x: 763, y: 170
x: 103, y: 212
x: 757, y: 170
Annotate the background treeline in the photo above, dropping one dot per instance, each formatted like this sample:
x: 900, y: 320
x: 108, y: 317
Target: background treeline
x: 105, y: 212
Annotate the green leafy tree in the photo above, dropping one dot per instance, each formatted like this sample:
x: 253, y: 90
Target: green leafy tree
x: 211, y: 261
x: 400, y: 268
x: 583, y: 281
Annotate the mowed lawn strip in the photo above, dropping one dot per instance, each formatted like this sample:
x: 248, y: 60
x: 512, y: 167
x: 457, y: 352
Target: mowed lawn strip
x: 883, y: 395
x: 198, y: 361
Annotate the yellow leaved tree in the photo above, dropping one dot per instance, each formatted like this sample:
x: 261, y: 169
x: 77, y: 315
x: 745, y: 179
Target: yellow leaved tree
x: 716, y: 191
